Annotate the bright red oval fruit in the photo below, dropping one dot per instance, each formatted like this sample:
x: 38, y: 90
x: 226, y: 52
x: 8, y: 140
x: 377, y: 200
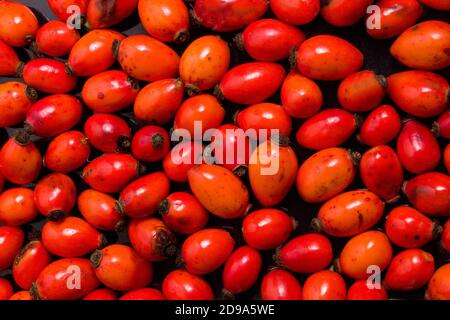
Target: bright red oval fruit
x: 49, y: 76
x: 120, y: 268
x: 265, y: 116
x: 71, y: 237
x: 241, y: 270
x: 182, y: 285
x: 150, y: 144
x: 104, y: 14
x: 429, y: 193
x: 424, y: 46
x: 143, y: 294
x: 101, y: 294
x: 20, y: 159
x: 110, y: 173
x: 307, y: 253
x: 29, y: 263
x: 442, y: 125
x: 362, y: 91
x: 11, y: 241
x: 266, y: 229
x: 417, y: 148
x: 324, y: 285
x: 141, y: 197
x: 227, y: 16
x: 16, y: 99
x: 382, y: 172
x: 381, y: 126
x: 219, y: 191
x: 166, y: 20
x: 360, y: 290
x: 182, y: 157
x: 6, y: 289
x: 101, y: 210
x: 252, y: 82
x: 203, y: 109
x: 55, y: 196
x: 108, y: 133
x: 328, y: 128
x: 51, y: 283
x: 56, y: 39
x: 136, y: 51
x: 409, y: 270
x: 158, y: 101
x: 17, y: 206
x: 53, y: 115
x: 10, y: 63
x: 67, y: 152
x: 18, y: 24
x: 182, y: 213
x: 109, y: 91
x: 422, y: 94
x: 152, y: 239
x: 270, y: 40
x: 349, y: 213
x: 301, y: 97
x: 408, y: 228
x: 327, y: 57
x: 343, y: 13
x: 297, y: 12
x: 279, y: 284
x: 93, y: 53
x: 207, y: 250
x: 396, y: 16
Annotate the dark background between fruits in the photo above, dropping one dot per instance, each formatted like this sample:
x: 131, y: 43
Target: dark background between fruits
x: 377, y: 58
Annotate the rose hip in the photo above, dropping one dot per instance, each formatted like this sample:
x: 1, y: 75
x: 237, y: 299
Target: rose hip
x: 17, y: 206
x: 11, y: 241
x: 56, y: 39
x: 307, y: 253
x: 266, y: 229
x: 101, y: 210
x: 120, y: 268
x: 67, y: 152
x: 152, y: 239
x: 241, y: 270
x: 49, y: 76
x: 71, y: 237
x: 108, y: 133
x: 207, y: 250
x: 408, y: 228
x: 20, y: 159
x: 29, y: 263
x: 279, y: 284
x: 182, y: 213
x: 141, y: 198
x: 182, y: 285
x: 55, y: 196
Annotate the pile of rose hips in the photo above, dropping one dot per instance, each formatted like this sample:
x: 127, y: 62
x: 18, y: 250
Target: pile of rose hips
x: 397, y: 225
